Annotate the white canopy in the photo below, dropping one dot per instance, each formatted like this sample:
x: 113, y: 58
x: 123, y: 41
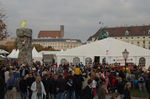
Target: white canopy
x: 106, y: 47
x: 3, y: 51
x: 35, y: 53
x: 13, y: 54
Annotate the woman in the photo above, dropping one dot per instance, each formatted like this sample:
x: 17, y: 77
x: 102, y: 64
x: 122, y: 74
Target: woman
x: 87, y: 91
x: 127, y: 94
x: 102, y: 91
x: 38, y: 89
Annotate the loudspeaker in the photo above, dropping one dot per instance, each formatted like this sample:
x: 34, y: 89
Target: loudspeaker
x: 96, y: 59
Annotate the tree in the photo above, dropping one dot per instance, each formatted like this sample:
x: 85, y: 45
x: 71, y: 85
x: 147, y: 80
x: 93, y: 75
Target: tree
x: 3, y: 30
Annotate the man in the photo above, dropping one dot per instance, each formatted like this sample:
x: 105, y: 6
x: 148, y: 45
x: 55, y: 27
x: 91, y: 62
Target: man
x: 148, y: 85
x: 70, y: 86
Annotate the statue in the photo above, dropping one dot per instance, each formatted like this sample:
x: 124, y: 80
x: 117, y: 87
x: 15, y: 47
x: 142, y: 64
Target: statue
x: 103, y: 34
x: 24, y: 44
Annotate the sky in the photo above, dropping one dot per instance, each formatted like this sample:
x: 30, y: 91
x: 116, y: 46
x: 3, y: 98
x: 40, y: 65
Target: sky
x: 81, y: 18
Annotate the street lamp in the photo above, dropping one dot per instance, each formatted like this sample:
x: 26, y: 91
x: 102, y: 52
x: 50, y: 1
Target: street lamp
x: 125, y: 54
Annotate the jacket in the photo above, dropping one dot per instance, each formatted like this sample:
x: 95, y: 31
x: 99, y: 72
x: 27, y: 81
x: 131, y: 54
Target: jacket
x: 34, y: 90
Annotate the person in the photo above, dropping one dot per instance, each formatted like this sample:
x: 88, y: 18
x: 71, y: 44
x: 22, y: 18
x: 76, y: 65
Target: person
x: 60, y: 87
x: 30, y: 80
x: 141, y: 83
x: 46, y: 82
x: 38, y: 89
x: 23, y: 87
x: 127, y: 94
x: 77, y: 71
x: 102, y: 91
x: 148, y: 85
x: 70, y: 86
x: 2, y: 88
x: 120, y: 87
x: 10, y: 85
x: 87, y: 92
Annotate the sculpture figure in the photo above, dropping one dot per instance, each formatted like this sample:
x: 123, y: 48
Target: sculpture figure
x: 24, y: 44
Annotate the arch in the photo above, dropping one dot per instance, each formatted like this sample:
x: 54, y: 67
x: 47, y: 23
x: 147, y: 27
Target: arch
x: 142, y: 61
x: 76, y: 60
x: 88, y: 60
x: 63, y: 61
x: 104, y: 61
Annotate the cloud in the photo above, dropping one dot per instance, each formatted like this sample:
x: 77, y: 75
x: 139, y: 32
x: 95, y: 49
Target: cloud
x: 80, y: 17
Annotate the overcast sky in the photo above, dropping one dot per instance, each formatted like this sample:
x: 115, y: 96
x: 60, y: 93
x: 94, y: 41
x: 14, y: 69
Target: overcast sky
x: 80, y: 17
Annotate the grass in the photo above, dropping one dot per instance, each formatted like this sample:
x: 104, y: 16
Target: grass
x: 137, y: 93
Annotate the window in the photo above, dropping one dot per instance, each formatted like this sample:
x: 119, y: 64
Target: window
x: 126, y: 32
x: 120, y: 37
x: 144, y: 37
x: 143, y: 42
x: 138, y: 37
x: 148, y: 31
x: 126, y: 37
x: 143, y: 46
x: 131, y: 37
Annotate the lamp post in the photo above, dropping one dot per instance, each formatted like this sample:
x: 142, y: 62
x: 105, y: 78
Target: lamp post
x: 125, y: 54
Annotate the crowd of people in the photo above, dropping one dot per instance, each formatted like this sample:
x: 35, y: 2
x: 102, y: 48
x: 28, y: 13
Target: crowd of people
x: 70, y: 81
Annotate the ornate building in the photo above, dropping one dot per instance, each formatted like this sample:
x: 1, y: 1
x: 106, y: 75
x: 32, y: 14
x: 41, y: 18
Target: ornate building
x: 58, y: 44
x: 138, y: 35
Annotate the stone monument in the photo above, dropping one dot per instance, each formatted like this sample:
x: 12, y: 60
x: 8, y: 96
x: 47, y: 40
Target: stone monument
x: 24, y: 44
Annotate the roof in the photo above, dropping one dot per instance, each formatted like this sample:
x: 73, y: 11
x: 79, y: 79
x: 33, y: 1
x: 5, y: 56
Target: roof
x: 120, y: 31
x: 49, y: 34
x: 56, y: 40
x: 106, y: 47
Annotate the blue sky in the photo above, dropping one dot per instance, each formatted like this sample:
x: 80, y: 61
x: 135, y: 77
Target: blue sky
x: 80, y: 17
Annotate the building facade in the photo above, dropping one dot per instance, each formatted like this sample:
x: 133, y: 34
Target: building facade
x: 137, y: 35
x: 58, y: 44
x: 52, y: 33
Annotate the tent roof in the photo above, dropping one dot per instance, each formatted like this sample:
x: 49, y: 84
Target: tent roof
x: 106, y: 47
x: 35, y: 53
x: 12, y: 54
x: 3, y: 51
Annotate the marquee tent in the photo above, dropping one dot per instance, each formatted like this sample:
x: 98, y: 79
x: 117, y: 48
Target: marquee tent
x: 35, y: 54
x: 108, y: 48
x: 13, y: 54
x: 3, y: 51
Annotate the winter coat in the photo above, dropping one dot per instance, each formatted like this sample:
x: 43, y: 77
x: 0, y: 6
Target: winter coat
x: 87, y: 93
x: 102, y: 92
x: 23, y: 86
x: 148, y: 85
x: 127, y: 94
x: 34, y: 90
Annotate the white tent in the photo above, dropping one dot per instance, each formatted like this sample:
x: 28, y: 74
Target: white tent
x: 3, y: 51
x: 13, y: 54
x: 109, y: 48
x: 36, y: 55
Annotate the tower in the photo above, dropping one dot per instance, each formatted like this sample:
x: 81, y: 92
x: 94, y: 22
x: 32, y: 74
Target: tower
x: 61, y: 31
